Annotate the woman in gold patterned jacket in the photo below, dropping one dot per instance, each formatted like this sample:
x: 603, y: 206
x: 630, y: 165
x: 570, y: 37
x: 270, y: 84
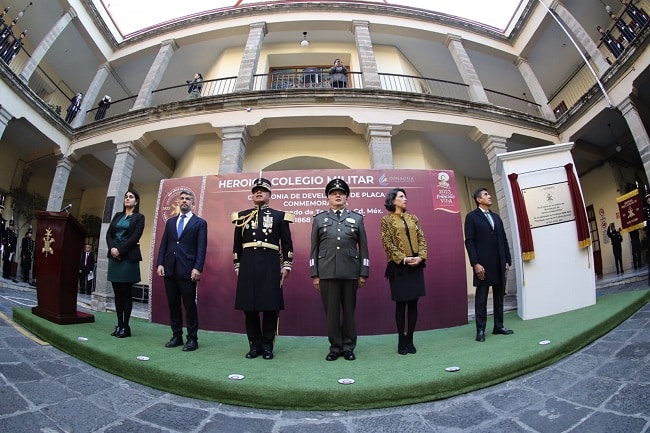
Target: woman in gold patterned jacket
x: 406, y: 251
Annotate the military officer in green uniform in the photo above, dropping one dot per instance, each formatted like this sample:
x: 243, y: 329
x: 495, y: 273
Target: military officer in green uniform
x: 339, y: 265
x: 263, y: 255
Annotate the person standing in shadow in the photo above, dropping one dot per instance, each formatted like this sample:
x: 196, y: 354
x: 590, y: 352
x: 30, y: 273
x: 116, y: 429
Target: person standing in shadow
x: 617, y: 246
x: 124, y: 257
x: 86, y: 267
x: 26, y: 255
x: 406, y: 251
x: 489, y: 255
x: 181, y: 257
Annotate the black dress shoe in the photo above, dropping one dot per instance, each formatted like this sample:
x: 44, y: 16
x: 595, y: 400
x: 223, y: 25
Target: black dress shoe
x: 253, y: 353
x: 480, y: 336
x: 191, y: 346
x: 174, y: 342
x: 349, y: 355
x: 123, y: 333
x: 267, y: 354
x: 114, y: 333
x: 332, y: 356
x: 502, y: 331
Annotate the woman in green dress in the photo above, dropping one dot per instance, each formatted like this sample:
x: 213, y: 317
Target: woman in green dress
x: 124, y: 257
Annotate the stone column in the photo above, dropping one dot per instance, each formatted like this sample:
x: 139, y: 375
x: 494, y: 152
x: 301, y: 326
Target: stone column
x: 366, y: 55
x: 466, y: 68
x: 494, y: 145
x: 378, y: 137
x: 59, y: 183
x: 44, y: 46
x: 581, y: 36
x: 639, y: 133
x: 535, y: 88
x: 233, y: 149
x: 90, y: 96
x: 248, y: 65
x: 155, y: 74
x: 125, y: 157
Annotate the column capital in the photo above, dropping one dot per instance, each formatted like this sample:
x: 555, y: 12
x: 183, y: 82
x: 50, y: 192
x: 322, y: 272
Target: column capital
x: 628, y: 104
x: 452, y: 38
x: 170, y: 43
x: 378, y: 130
x: 260, y: 25
x: 521, y: 61
x: 73, y: 13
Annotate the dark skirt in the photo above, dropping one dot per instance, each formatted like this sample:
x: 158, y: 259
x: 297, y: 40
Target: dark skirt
x: 123, y: 271
x: 406, y: 282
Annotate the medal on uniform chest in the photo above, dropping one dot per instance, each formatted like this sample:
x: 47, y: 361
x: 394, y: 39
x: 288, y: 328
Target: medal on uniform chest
x: 267, y: 223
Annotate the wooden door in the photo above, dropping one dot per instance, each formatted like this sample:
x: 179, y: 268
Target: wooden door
x: 595, y: 240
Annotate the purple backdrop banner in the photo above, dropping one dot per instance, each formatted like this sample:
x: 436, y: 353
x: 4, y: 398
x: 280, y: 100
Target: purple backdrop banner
x: 432, y: 196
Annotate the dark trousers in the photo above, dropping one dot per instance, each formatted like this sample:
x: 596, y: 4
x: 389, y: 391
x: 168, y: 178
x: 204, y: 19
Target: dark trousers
x: 123, y: 303
x: 480, y: 306
x: 181, y: 290
x: 261, y: 334
x: 6, y: 268
x: 618, y: 257
x: 26, y: 266
x: 85, y: 286
x: 636, y: 253
x: 340, y: 299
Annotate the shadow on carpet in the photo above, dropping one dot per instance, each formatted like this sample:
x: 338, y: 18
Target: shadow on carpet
x: 299, y: 378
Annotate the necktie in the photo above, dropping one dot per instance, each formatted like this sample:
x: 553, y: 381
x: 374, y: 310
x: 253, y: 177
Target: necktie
x: 86, y: 259
x: 489, y: 218
x: 181, y: 222
x: 338, y: 214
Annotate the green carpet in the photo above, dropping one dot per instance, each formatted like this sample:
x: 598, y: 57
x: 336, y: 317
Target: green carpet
x: 299, y: 377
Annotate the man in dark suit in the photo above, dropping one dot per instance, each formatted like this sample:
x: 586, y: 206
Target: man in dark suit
x: 263, y: 255
x: 86, y: 267
x: 489, y: 255
x: 339, y: 264
x: 180, y: 261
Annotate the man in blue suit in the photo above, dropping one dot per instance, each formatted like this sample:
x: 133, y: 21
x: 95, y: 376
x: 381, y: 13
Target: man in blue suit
x: 489, y: 255
x: 180, y: 261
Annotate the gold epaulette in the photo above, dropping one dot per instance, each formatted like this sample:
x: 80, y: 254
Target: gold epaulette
x: 289, y: 217
x: 234, y: 216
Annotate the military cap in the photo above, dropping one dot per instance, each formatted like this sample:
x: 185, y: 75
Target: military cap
x: 337, y: 184
x: 260, y: 182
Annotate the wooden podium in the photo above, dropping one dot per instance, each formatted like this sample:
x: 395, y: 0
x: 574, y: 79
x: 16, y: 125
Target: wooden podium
x: 59, y: 242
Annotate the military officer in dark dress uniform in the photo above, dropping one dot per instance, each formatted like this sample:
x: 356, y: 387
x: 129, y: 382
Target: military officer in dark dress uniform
x: 263, y: 256
x: 26, y: 255
x: 339, y: 265
x: 9, y: 241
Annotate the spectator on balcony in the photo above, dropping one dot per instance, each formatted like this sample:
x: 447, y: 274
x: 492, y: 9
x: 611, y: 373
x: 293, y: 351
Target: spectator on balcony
x: 103, y: 107
x: 626, y: 31
x: 638, y: 15
x: 10, y: 51
x: 338, y: 75
x: 195, y: 85
x: 612, y: 44
x: 75, y: 106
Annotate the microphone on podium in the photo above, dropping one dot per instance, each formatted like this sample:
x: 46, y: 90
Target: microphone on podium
x: 67, y: 208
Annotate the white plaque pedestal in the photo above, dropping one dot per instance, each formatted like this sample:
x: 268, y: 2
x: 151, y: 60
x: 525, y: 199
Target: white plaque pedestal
x: 561, y: 276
